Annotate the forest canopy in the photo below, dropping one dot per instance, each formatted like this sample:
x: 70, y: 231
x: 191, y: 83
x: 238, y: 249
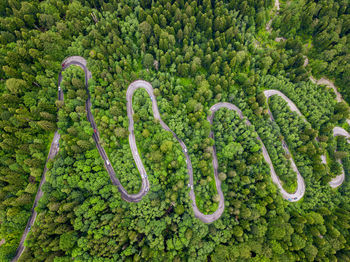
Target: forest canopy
x: 195, y: 54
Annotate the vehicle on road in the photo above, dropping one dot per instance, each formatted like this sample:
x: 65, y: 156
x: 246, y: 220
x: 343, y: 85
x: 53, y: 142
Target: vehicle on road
x: 63, y: 65
x: 95, y: 131
x: 185, y: 150
x: 29, y: 228
x: 107, y: 162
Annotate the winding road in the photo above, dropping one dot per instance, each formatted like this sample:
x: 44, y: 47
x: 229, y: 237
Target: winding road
x: 337, y: 131
x: 81, y: 62
x: 52, y: 153
x: 300, y: 191
x: 330, y: 84
x: 338, y: 180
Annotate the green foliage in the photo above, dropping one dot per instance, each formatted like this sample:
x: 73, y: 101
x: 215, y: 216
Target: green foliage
x: 195, y: 54
x: 326, y: 24
x: 68, y: 240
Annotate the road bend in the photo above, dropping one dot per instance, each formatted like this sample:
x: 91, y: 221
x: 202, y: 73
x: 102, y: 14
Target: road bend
x: 206, y: 218
x: 337, y: 131
x: 338, y: 180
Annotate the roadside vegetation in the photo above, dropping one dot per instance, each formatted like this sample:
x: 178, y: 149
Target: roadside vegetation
x: 324, y: 27
x: 195, y: 54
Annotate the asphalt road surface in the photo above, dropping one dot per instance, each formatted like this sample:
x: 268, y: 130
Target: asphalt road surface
x: 52, y: 153
x: 300, y: 191
x: 337, y: 131
x: 338, y: 180
x: 81, y: 62
x: 76, y: 60
x: 325, y: 81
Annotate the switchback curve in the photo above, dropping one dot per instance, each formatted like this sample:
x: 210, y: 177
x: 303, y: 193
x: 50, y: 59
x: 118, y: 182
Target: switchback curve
x: 338, y: 180
x: 337, y: 131
x: 300, y: 191
x: 81, y: 62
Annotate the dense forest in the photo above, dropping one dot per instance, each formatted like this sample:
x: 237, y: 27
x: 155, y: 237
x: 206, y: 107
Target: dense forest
x: 323, y: 28
x: 195, y: 54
